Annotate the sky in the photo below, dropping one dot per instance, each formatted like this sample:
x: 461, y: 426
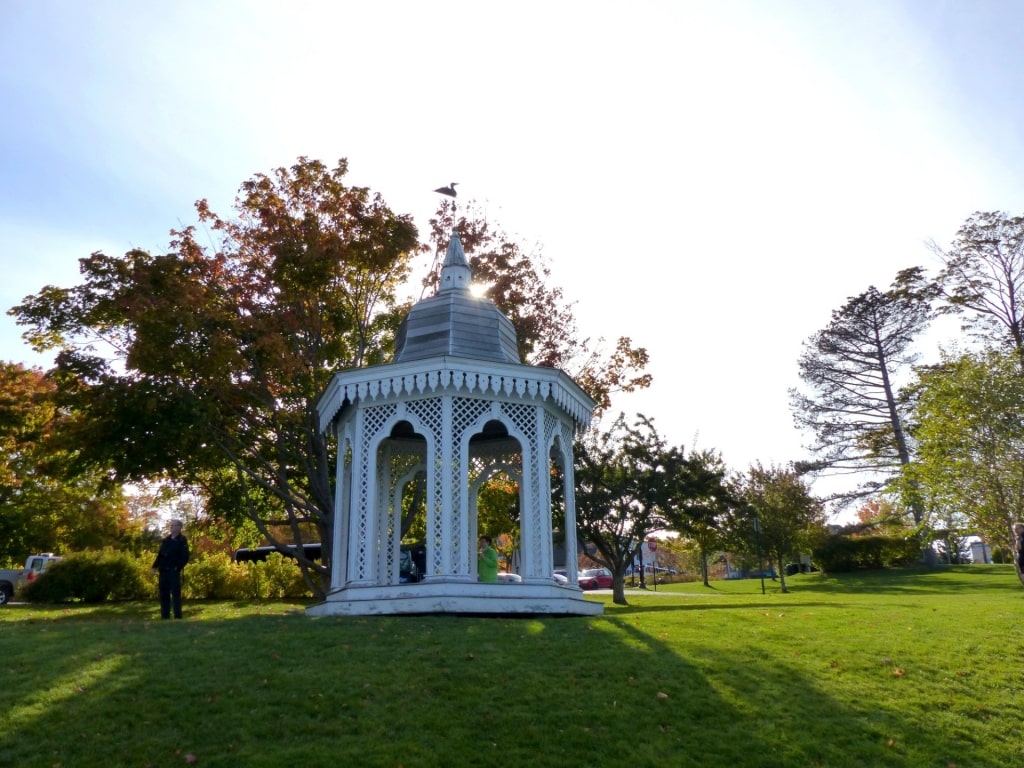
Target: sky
x: 711, y: 179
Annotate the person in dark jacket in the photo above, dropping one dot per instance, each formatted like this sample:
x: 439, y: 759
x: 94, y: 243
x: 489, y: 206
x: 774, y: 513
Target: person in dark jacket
x: 1018, y: 544
x: 170, y: 561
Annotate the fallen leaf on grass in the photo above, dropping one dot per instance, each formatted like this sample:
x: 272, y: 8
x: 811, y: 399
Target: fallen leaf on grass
x: 898, y: 672
x: 662, y: 695
x: 190, y: 758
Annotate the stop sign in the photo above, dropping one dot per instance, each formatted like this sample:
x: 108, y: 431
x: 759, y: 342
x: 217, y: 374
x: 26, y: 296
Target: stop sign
x: 652, y: 545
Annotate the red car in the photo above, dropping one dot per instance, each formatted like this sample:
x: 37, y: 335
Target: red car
x: 595, y: 578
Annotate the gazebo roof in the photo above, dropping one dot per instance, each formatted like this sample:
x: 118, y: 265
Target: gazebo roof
x: 455, y: 343
x: 454, y: 322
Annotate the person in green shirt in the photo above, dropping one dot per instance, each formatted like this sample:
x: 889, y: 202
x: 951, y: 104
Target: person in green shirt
x: 487, y: 561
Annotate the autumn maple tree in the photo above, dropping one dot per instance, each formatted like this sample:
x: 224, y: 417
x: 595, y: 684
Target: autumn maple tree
x: 204, y: 364
x: 48, y: 506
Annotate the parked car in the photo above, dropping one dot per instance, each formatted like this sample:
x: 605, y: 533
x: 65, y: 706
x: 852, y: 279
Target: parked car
x: 509, y: 578
x: 260, y: 554
x: 595, y: 578
x: 408, y: 570
x: 560, y: 578
x: 794, y: 568
x: 11, y: 579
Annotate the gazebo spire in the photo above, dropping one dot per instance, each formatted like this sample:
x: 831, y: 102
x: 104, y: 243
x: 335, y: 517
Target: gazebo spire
x: 455, y: 272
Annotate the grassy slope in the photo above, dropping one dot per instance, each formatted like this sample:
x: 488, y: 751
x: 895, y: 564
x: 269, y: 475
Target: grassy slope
x: 889, y: 669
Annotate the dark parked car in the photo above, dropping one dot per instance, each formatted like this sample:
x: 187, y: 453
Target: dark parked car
x: 408, y: 571
x: 259, y: 554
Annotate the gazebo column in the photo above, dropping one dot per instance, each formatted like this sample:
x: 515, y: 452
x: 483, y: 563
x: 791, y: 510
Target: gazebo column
x: 529, y: 523
x: 434, y: 505
x: 342, y: 508
x: 569, y: 492
x: 384, y: 540
x: 541, y: 508
x: 448, y: 470
x: 363, y: 542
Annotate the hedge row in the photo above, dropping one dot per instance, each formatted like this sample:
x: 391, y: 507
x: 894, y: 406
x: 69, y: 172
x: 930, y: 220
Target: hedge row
x: 844, y: 553
x: 95, y: 577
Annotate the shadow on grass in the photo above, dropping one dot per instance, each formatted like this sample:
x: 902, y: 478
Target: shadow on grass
x: 278, y: 688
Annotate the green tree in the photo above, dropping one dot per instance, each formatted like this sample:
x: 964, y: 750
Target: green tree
x: 781, y: 514
x: 624, y: 485
x: 701, y: 497
x: 983, y: 277
x: 970, y: 432
x: 852, y: 405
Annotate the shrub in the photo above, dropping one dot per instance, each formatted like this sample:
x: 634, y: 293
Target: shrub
x: 213, y: 577
x: 840, y: 553
x: 94, y: 577
x: 91, y: 577
x: 216, y: 577
x: 275, y: 577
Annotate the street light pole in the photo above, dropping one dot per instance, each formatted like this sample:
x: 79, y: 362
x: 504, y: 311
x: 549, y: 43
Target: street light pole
x: 760, y: 559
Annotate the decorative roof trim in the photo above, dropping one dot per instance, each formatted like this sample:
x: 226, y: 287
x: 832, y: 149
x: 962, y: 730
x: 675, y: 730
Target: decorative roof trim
x: 452, y: 376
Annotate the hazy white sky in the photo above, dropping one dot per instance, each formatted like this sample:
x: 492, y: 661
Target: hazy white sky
x: 709, y: 178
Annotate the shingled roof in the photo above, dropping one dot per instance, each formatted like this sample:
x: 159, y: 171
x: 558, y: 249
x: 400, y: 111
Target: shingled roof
x: 453, y: 322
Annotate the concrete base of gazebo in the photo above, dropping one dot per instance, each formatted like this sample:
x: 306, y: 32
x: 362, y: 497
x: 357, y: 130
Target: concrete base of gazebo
x: 462, y: 598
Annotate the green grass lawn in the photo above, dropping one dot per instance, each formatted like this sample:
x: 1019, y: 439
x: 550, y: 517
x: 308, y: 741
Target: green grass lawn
x: 883, y: 669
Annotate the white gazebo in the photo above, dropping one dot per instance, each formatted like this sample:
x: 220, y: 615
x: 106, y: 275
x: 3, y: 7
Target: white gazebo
x: 455, y: 408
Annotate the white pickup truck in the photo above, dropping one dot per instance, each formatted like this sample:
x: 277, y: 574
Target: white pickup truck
x: 9, y: 580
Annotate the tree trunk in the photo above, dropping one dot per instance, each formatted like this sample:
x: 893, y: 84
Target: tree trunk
x: 619, y: 591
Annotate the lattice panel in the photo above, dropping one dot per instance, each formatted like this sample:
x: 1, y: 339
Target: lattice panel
x: 550, y: 427
x: 525, y: 418
x: 430, y: 411
x: 386, y: 521
x: 465, y: 413
x: 401, y: 462
x: 373, y: 420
